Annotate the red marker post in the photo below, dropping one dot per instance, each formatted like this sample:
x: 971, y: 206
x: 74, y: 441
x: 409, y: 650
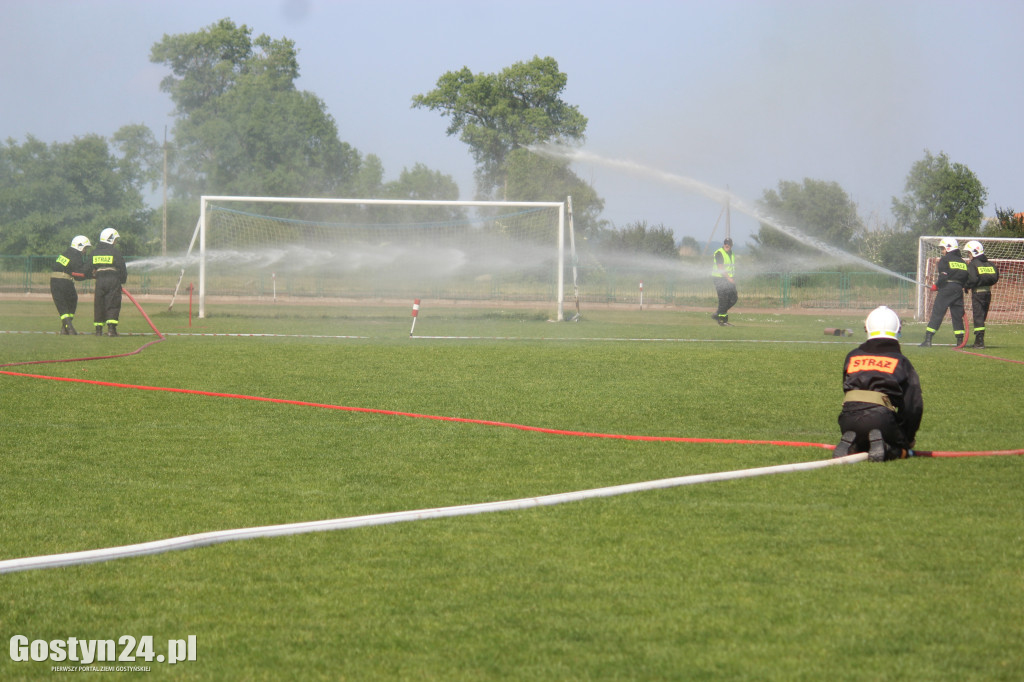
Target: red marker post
x: 641, y: 295
x: 415, y: 314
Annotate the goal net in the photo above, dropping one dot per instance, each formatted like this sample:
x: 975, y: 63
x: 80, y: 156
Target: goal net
x: 1006, y: 253
x: 379, y: 249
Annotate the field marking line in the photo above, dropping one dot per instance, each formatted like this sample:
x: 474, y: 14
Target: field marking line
x: 221, y: 536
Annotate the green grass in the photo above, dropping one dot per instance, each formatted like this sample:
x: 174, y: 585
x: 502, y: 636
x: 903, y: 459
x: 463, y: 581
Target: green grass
x: 911, y: 570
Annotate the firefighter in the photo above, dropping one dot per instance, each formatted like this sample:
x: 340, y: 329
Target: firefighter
x: 981, y: 275
x: 108, y: 267
x: 882, y: 406
x: 68, y: 269
x: 723, y: 273
x: 949, y: 286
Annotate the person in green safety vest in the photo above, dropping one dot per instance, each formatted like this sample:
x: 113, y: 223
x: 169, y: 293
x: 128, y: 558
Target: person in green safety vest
x: 723, y: 274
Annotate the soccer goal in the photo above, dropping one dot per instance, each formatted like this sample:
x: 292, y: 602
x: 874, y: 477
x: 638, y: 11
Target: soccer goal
x: 1006, y: 253
x: 380, y: 250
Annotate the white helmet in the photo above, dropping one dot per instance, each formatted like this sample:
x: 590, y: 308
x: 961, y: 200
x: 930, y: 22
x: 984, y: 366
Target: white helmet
x: 948, y: 244
x: 974, y: 247
x: 110, y: 234
x: 882, y: 322
x: 80, y: 242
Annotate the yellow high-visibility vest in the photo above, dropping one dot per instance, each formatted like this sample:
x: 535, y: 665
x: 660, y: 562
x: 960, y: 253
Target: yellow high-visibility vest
x: 729, y: 260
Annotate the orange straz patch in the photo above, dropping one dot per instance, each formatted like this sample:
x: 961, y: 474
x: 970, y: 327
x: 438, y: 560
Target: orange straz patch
x: 874, y: 363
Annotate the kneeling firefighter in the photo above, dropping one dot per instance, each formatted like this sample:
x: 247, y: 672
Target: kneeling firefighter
x: 882, y: 407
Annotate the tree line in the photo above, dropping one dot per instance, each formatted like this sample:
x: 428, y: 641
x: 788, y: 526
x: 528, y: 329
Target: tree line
x: 242, y: 127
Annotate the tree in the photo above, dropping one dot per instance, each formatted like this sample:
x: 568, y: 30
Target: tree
x: 821, y: 210
x: 891, y: 247
x: 242, y: 126
x: 1007, y: 223
x: 689, y: 247
x: 532, y: 177
x: 420, y: 182
x: 940, y: 198
x: 496, y: 114
x: 641, y: 238
x: 50, y: 193
x: 141, y: 157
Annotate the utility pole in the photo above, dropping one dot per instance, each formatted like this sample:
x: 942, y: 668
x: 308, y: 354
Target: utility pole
x: 163, y: 241
x: 728, y: 220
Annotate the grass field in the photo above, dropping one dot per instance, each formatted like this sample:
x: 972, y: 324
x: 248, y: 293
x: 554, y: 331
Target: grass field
x: 909, y: 570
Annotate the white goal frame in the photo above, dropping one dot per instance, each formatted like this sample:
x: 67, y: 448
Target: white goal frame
x: 206, y: 200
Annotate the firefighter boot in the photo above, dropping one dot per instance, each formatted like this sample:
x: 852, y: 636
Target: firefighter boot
x: 843, y: 449
x: 979, y: 339
x: 99, y: 329
x: 876, y: 451
x: 63, y: 326
x: 927, y: 338
x: 71, y: 328
x: 112, y: 330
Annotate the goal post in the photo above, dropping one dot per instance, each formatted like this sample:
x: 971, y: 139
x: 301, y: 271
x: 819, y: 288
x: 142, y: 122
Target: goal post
x: 376, y: 249
x: 1006, y: 253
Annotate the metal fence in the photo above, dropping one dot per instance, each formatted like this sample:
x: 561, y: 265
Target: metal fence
x: 827, y: 290
x: 813, y: 289
x: 31, y: 275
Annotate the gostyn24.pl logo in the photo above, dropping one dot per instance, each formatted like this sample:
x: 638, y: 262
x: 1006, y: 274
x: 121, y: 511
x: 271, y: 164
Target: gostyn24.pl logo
x: 126, y: 649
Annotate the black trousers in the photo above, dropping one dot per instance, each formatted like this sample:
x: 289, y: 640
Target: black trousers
x: 949, y: 297
x: 107, y: 303
x: 727, y: 295
x: 980, y: 301
x: 861, y: 418
x: 65, y: 296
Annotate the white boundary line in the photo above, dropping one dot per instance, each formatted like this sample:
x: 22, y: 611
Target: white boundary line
x: 217, y: 537
x: 622, y: 338
x: 240, y: 334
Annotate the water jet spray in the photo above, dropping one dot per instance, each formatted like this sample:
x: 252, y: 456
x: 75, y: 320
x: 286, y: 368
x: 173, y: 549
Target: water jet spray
x: 716, y: 194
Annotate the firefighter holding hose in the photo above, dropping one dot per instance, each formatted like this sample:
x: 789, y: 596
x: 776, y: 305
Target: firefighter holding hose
x: 107, y: 265
x: 68, y: 269
x: 949, y: 287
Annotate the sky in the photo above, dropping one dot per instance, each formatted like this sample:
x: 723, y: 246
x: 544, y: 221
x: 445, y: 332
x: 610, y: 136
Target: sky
x: 728, y: 94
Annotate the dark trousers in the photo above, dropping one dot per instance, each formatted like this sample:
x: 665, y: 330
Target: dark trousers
x: 861, y: 418
x: 107, y: 303
x: 949, y: 297
x: 65, y: 297
x: 727, y: 295
x: 980, y: 301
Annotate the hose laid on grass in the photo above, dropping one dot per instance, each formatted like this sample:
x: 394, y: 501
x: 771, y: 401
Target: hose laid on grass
x: 221, y: 536
x: 160, y: 337
x: 216, y: 537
